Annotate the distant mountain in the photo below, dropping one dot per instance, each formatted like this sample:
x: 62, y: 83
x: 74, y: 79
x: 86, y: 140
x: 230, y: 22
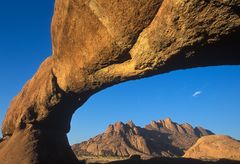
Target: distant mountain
x: 215, y: 147
x: 159, y: 138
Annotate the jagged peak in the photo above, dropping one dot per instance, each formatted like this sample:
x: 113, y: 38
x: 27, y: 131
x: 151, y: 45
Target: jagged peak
x: 168, y: 119
x: 187, y: 125
x: 131, y: 124
x: 200, y: 131
x: 124, y: 136
x: 119, y: 127
x: 154, y: 124
x: 110, y: 128
x: 161, y: 123
x: 167, y: 124
x: 118, y: 123
x: 199, y: 127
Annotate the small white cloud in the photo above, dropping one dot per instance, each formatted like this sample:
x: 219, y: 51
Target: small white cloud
x: 197, y: 93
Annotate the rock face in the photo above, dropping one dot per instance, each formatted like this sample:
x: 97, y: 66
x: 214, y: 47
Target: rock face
x: 100, y: 43
x: 161, y: 138
x: 215, y: 147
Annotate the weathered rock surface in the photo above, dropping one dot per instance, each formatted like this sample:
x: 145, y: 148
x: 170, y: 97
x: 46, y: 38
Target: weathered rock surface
x: 100, y: 43
x: 163, y: 138
x: 215, y: 147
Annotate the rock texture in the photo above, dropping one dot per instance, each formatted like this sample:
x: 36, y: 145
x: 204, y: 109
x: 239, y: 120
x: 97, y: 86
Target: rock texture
x: 163, y: 138
x: 215, y: 147
x: 100, y: 43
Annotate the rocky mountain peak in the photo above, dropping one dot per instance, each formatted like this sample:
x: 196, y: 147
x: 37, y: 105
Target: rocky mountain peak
x: 186, y: 125
x: 110, y: 129
x: 131, y: 124
x: 200, y: 131
x: 169, y: 124
x: 120, y: 127
x: 154, y: 125
x: 159, y: 138
x: 163, y: 124
x: 168, y: 120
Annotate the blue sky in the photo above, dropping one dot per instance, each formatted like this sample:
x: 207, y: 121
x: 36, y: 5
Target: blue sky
x: 208, y: 97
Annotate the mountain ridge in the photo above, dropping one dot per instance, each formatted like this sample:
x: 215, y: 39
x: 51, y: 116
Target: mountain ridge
x: 159, y: 138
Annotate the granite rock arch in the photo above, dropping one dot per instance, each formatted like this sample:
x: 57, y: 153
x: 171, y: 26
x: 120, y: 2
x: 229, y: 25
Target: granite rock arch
x: 99, y: 43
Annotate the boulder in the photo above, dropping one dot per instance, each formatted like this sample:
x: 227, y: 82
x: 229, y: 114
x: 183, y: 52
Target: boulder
x: 214, y: 147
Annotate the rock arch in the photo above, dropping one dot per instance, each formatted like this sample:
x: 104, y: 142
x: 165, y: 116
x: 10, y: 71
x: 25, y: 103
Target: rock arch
x: 99, y: 43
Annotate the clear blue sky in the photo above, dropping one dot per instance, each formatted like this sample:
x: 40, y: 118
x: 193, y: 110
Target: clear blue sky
x: 25, y: 42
